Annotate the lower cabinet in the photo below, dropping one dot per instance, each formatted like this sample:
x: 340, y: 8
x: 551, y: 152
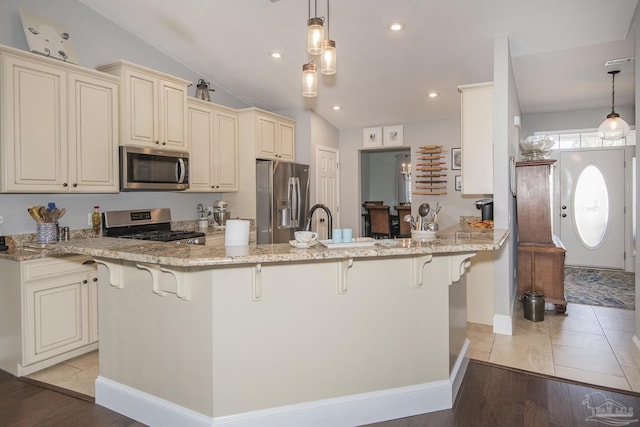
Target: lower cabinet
x: 57, y: 316
x: 541, y: 268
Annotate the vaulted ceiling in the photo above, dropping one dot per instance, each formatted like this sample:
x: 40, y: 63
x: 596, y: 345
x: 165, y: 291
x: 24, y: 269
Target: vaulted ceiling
x: 559, y: 49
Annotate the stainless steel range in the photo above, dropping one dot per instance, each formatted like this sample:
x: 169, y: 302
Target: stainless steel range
x: 147, y: 224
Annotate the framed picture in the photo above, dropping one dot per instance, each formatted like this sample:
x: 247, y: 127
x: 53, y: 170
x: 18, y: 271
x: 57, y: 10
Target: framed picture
x: 456, y: 158
x: 392, y: 136
x: 372, y: 137
x: 47, y: 38
x: 458, y: 183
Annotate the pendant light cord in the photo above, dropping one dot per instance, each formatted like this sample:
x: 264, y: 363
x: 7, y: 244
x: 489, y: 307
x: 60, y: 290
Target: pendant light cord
x: 613, y: 90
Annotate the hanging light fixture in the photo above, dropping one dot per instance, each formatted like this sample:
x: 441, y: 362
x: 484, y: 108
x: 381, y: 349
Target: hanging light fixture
x: 318, y: 44
x: 315, y: 31
x: 328, y: 62
x: 613, y: 128
x: 309, y: 79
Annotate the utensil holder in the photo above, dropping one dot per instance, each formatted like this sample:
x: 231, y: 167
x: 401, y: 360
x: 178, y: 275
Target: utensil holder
x: 47, y: 232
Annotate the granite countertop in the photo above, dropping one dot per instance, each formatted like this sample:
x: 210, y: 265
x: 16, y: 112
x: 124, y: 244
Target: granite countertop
x: 452, y: 240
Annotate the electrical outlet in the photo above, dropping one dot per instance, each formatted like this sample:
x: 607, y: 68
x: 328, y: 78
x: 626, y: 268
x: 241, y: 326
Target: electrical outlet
x: 89, y: 223
x: 1, y: 220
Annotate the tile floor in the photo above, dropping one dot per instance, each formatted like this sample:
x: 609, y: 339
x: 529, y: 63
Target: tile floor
x: 592, y: 344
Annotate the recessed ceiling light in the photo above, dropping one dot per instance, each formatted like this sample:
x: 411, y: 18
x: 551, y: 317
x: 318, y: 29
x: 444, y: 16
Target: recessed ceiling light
x: 396, y: 26
x: 337, y: 107
x: 276, y: 55
x: 432, y: 94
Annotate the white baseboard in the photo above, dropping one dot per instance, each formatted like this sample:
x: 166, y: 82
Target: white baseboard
x: 350, y: 410
x: 502, y: 324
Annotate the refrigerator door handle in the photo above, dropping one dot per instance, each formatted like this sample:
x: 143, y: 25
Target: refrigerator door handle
x: 297, y: 203
x: 293, y: 196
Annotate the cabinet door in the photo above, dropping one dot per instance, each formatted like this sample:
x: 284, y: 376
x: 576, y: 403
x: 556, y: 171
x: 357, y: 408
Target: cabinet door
x: 477, y: 138
x: 200, y: 120
x: 287, y: 141
x: 56, y: 316
x: 226, y: 151
x: 173, y: 101
x: 139, y: 110
x: 35, y: 106
x: 93, y: 126
x: 266, y: 138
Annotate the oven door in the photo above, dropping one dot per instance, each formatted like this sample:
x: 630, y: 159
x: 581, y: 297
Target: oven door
x: 148, y: 169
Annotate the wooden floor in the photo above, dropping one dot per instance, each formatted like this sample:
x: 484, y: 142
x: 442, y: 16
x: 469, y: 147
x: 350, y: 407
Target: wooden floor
x: 491, y: 395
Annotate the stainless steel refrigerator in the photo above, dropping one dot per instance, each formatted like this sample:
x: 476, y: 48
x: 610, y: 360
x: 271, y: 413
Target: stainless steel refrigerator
x: 282, y: 200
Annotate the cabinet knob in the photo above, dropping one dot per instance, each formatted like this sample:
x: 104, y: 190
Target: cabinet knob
x: 164, y: 143
x: 84, y: 281
x: 75, y: 185
x: 158, y: 142
x: 564, y: 207
x: 95, y: 279
x: 64, y: 184
x: 564, y: 215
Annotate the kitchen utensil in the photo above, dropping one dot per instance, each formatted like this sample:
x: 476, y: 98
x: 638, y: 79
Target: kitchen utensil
x: 424, y: 209
x: 410, y: 220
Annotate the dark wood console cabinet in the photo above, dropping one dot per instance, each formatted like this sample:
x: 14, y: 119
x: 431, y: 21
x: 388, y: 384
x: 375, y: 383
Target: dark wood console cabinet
x: 540, y: 253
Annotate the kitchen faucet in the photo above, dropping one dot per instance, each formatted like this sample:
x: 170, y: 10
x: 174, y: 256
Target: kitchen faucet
x: 307, y: 226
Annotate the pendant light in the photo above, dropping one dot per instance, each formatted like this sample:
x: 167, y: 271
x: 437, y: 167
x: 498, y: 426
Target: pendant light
x: 317, y: 44
x: 613, y: 128
x: 315, y: 31
x: 328, y: 61
x: 309, y: 79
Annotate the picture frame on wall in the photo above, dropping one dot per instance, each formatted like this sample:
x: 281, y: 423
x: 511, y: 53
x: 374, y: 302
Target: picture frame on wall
x: 456, y: 158
x: 393, y: 136
x: 458, y: 183
x: 372, y: 137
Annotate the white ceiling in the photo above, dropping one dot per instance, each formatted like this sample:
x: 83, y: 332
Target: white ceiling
x: 559, y: 49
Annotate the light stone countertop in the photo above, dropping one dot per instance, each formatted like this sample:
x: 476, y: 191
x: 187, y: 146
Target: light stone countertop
x: 452, y: 240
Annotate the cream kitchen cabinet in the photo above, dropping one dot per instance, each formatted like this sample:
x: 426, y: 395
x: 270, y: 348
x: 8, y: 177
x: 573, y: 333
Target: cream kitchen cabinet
x: 60, y: 127
x: 153, y: 111
x: 49, y: 308
x: 212, y: 133
x: 477, y: 138
x: 275, y: 137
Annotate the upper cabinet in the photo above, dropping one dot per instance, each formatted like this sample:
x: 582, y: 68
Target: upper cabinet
x: 212, y: 133
x: 153, y: 109
x: 275, y: 137
x: 60, y: 126
x: 477, y: 138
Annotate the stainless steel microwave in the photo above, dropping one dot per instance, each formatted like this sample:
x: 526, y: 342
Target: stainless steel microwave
x: 148, y: 169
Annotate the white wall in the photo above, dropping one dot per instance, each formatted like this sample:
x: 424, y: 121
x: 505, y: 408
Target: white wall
x: 416, y: 134
x: 569, y: 120
x: 96, y: 41
x: 505, y: 145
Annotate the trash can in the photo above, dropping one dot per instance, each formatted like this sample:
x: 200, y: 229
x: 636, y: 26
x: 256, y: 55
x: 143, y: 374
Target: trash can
x: 533, y: 303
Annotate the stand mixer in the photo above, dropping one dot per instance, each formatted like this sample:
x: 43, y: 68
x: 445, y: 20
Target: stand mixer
x: 220, y: 212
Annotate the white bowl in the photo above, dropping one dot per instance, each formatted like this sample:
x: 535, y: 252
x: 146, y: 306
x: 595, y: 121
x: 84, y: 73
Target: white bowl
x: 423, y: 235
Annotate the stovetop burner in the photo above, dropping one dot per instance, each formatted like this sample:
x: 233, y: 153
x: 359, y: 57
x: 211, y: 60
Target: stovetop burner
x: 149, y: 224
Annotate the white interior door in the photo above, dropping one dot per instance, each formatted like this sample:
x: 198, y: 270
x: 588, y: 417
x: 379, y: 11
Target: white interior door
x: 327, y: 188
x: 592, y: 207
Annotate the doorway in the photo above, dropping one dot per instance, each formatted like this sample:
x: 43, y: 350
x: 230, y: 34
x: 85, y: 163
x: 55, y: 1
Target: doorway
x: 327, y: 187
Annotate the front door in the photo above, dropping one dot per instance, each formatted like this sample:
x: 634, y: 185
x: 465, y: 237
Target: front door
x: 327, y: 188
x: 592, y: 207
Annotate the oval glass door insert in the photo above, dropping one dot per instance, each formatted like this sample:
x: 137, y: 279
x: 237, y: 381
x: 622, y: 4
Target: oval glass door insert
x: 591, y: 206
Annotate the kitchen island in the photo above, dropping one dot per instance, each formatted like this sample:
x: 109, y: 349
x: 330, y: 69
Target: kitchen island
x: 273, y: 335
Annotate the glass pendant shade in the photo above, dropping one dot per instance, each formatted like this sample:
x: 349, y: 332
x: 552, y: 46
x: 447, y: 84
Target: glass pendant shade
x: 613, y: 128
x: 315, y: 36
x: 309, y: 80
x: 328, y: 63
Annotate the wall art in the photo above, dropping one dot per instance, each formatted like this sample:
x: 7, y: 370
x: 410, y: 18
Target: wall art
x: 47, y: 38
x: 392, y: 136
x: 373, y: 137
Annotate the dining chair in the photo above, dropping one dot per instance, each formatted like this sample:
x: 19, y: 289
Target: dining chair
x: 380, y: 220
